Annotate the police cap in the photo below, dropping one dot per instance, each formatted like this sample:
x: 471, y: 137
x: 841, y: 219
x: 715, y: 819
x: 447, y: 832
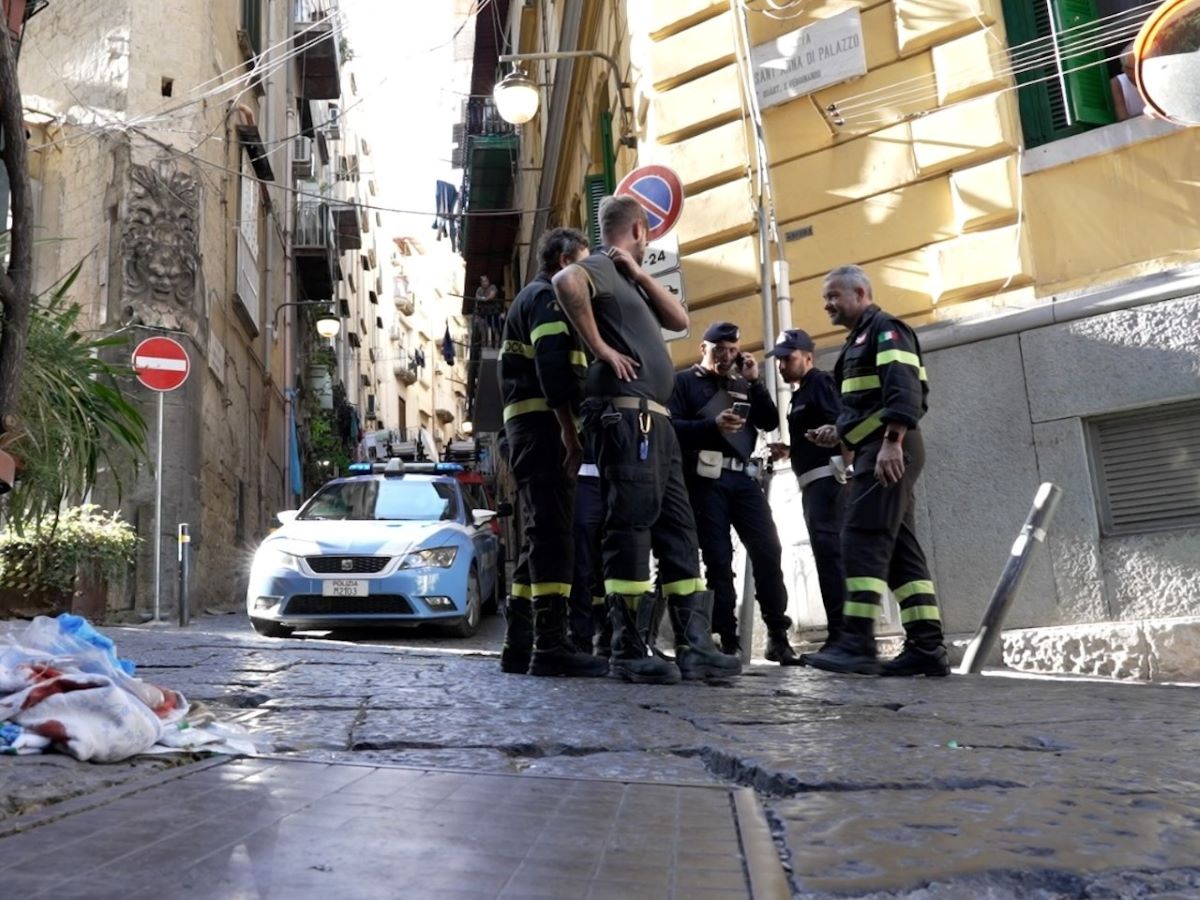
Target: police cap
x: 722, y: 331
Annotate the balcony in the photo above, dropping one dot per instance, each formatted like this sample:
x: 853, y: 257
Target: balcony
x: 491, y: 146
x: 312, y: 249
x: 318, y: 63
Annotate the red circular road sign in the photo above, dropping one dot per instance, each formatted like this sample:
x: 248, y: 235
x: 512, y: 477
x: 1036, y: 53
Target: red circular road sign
x: 659, y: 192
x: 161, y: 364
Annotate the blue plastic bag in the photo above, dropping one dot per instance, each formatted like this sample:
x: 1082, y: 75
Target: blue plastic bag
x: 82, y: 629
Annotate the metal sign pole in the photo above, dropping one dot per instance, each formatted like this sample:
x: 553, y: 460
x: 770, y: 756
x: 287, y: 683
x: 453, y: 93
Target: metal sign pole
x: 158, y: 485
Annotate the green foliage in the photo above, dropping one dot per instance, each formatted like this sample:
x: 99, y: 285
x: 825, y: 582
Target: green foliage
x: 324, y: 445
x: 50, y: 552
x: 73, y: 417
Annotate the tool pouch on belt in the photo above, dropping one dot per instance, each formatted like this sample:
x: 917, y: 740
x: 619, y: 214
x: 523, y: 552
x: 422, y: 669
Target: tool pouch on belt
x: 708, y: 464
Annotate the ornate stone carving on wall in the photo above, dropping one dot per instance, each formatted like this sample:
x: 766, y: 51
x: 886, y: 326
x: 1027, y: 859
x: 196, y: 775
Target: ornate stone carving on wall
x: 160, y: 241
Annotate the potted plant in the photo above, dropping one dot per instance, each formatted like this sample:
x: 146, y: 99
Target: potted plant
x: 64, y: 562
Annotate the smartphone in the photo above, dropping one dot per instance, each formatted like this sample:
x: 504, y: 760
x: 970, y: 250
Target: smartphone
x: 741, y: 409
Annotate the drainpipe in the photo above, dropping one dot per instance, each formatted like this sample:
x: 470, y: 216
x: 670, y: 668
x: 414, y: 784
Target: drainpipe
x: 555, y: 125
x: 289, y: 296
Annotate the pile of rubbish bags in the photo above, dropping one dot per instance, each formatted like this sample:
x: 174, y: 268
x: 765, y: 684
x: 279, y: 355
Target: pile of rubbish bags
x: 64, y: 689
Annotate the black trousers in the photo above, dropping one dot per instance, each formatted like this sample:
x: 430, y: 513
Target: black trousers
x: 587, y: 585
x: 880, y: 549
x: 823, y: 501
x: 645, y: 503
x: 736, y: 500
x: 546, y: 564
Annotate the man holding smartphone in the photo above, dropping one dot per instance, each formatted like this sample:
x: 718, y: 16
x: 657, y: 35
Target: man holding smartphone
x: 717, y: 410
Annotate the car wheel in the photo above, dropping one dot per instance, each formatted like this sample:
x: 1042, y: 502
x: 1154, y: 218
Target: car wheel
x: 267, y: 628
x: 469, y: 624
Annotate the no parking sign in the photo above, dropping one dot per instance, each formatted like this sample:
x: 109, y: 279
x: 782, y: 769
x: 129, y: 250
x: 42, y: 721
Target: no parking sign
x: 659, y: 192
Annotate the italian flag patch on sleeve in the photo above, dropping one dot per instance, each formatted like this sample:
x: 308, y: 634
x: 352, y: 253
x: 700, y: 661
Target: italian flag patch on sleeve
x: 885, y: 336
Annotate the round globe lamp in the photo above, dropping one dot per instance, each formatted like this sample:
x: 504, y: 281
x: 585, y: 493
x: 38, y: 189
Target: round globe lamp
x: 516, y: 98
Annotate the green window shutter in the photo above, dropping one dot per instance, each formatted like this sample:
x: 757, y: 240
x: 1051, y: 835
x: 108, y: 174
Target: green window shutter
x: 252, y: 23
x: 595, y: 190
x: 609, y: 159
x: 1047, y: 112
x: 1088, y: 93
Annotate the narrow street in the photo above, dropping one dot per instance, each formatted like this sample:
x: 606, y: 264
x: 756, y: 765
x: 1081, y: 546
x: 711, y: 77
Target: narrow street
x: 994, y: 786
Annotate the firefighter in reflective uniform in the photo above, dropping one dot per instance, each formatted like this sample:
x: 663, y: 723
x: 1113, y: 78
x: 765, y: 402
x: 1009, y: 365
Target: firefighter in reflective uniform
x: 541, y: 378
x: 619, y: 311
x: 717, y: 445
x: 884, y: 391
x: 589, y: 617
x: 819, y: 476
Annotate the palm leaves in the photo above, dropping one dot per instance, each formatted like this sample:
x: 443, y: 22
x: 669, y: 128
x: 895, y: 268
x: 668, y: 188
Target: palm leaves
x: 73, y: 418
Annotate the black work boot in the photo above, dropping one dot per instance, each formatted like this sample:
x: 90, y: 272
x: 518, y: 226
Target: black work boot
x: 695, y: 653
x: 603, y: 631
x: 553, y: 652
x: 518, y: 636
x: 850, y: 653
x: 631, y: 658
x: 779, y: 649
x: 730, y: 645
x: 915, y: 660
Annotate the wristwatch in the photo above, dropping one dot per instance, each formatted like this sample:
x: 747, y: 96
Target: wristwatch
x: 892, y: 437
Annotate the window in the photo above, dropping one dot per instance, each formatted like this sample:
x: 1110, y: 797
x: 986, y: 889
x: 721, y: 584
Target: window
x: 252, y: 25
x: 1064, y: 54
x: 247, y: 245
x: 595, y: 190
x: 1147, y: 468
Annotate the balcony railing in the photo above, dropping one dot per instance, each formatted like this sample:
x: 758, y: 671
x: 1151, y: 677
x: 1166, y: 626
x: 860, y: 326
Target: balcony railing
x: 480, y: 118
x: 313, y: 248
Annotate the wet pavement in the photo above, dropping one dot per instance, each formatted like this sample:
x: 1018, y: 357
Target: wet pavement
x: 965, y: 786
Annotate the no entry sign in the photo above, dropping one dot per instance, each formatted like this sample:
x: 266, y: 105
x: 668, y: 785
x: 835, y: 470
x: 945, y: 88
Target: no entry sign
x: 659, y: 192
x: 161, y: 364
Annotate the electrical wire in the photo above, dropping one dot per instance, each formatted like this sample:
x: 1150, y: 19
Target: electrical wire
x: 1022, y: 57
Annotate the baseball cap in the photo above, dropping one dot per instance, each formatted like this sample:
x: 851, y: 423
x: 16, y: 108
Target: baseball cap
x: 792, y: 339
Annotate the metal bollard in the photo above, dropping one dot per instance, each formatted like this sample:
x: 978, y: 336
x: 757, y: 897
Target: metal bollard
x: 185, y: 559
x: 1033, y: 533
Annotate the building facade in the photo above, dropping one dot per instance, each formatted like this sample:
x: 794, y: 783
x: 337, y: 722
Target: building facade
x: 970, y: 158
x: 189, y: 158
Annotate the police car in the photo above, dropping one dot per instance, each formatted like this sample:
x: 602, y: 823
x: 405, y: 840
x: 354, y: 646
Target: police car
x: 395, y: 545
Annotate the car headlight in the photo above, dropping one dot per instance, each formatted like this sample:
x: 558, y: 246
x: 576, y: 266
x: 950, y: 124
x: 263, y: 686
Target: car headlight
x: 436, y: 557
x: 272, y: 558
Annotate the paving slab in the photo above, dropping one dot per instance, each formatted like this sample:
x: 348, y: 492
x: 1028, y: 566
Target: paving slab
x: 285, y: 828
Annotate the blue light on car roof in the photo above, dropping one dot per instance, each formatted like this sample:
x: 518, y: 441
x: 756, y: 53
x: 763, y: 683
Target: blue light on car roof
x: 359, y: 467
x: 448, y: 467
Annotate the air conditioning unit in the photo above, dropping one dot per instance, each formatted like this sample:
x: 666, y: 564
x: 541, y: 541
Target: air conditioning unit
x: 302, y: 158
x: 333, y: 123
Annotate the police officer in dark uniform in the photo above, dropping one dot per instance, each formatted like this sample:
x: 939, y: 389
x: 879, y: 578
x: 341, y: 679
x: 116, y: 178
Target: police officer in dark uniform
x: 717, y: 444
x: 541, y: 379
x: 619, y: 311
x: 884, y: 394
x: 815, y: 403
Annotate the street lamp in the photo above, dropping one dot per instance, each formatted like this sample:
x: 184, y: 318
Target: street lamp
x: 328, y: 325
x: 516, y: 95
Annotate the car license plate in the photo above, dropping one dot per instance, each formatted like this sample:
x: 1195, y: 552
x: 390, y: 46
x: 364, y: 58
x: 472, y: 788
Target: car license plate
x: 344, y: 587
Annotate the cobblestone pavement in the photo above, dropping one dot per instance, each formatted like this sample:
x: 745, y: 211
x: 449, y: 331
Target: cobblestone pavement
x: 982, y: 787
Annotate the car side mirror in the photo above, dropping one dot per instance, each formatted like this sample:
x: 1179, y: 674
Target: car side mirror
x: 504, y: 510
x: 482, y: 516
x: 287, y: 515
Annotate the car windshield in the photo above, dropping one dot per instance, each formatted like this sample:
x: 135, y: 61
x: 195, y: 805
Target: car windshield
x: 383, y: 499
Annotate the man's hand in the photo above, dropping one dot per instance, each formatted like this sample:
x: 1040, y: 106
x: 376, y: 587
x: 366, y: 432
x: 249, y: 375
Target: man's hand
x: 889, y: 464
x: 779, y: 451
x: 624, y: 367
x: 625, y: 263
x: 749, y: 367
x: 825, y: 436
x: 728, y: 421
x: 574, y: 451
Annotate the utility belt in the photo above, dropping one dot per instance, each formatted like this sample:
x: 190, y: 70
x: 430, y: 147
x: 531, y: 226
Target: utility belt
x: 604, y: 412
x: 837, y: 469
x: 641, y: 404
x: 710, y: 464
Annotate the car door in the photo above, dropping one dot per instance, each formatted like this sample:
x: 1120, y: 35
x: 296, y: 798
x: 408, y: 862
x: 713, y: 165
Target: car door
x: 487, y: 545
